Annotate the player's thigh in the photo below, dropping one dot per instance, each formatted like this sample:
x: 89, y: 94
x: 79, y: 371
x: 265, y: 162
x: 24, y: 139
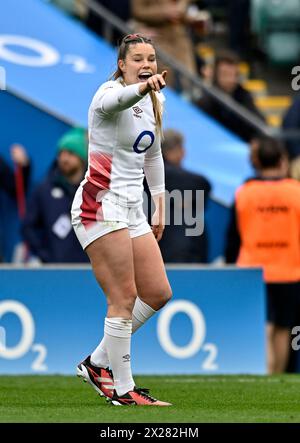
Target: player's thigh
x: 111, y: 257
x: 150, y: 276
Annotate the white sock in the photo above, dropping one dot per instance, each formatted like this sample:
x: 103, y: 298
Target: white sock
x: 99, y: 357
x: 140, y: 314
x: 117, y: 336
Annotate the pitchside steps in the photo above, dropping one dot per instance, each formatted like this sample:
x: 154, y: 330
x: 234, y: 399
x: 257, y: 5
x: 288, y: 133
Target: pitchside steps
x: 273, y: 108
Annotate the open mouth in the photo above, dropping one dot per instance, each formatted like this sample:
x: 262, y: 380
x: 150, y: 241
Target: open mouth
x: 143, y: 77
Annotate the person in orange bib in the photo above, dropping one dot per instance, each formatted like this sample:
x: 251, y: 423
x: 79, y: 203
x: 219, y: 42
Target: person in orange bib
x: 265, y: 232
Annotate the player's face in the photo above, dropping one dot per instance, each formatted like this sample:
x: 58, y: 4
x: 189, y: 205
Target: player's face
x: 139, y: 64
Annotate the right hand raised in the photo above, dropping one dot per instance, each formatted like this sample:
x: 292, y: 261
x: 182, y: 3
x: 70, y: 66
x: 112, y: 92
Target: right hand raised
x: 154, y: 83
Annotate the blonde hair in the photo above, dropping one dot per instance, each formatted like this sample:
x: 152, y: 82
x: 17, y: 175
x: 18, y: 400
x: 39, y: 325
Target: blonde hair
x: 133, y: 39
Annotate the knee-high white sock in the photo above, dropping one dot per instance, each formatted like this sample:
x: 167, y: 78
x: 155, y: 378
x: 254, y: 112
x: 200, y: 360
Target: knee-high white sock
x: 140, y: 314
x: 117, y: 335
x: 99, y: 356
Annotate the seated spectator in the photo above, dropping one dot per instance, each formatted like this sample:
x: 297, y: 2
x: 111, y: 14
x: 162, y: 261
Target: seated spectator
x: 264, y: 232
x: 226, y: 78
x: 47, y: 225
x: 291, y: 121
x: 175, y: 245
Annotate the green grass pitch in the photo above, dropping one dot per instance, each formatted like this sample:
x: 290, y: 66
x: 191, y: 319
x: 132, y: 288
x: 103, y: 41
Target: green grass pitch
x: 196, y: 399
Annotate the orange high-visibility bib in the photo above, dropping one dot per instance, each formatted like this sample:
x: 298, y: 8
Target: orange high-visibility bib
x: 268, y: 217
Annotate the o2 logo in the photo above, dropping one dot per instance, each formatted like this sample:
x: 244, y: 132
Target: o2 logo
x: 199, y: 332
x: 44, y: 54
x: 143, y: 134
x: 27, y: 337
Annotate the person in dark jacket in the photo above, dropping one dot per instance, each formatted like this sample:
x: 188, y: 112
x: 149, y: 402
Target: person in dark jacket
x: 226, y: 78
x: 47, y: 225
x: 176, y: 246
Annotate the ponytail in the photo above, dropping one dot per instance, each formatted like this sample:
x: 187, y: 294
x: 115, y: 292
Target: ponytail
x: 157, y: 110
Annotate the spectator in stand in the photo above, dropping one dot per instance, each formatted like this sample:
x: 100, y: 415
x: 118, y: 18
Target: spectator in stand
x: 176, y: 246
x: 226, y: 78
x: 47, y: 225
x: 291, y: 121
x: 15, y: 183
x: 166, y: 22
x: 264, y: 232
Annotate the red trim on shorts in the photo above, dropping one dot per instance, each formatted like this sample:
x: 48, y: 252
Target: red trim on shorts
x: 100, y: 175
x: 91, y: 210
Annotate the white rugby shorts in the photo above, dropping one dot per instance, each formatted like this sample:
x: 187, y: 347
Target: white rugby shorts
x: 94, y: 216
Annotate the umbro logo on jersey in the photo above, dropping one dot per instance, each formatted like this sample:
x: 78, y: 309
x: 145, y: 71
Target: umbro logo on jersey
x: 137, y: 111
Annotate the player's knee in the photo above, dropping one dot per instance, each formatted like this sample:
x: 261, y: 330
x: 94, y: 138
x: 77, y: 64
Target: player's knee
x: 168, y: 294
x: 128, y: 299
x: 122, y: 300
x: 163, y: 296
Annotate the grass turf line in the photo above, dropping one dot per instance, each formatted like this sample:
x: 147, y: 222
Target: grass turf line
x: 196, y: 399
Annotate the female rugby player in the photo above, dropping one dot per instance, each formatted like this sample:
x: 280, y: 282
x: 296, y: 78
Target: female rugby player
x: 125, y: 125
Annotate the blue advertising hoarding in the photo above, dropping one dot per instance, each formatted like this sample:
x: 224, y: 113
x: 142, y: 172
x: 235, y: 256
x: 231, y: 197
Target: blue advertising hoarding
x: 50, y: 319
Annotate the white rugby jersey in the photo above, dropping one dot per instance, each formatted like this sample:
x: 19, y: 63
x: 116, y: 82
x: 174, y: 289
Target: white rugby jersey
x: 123, y: 142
